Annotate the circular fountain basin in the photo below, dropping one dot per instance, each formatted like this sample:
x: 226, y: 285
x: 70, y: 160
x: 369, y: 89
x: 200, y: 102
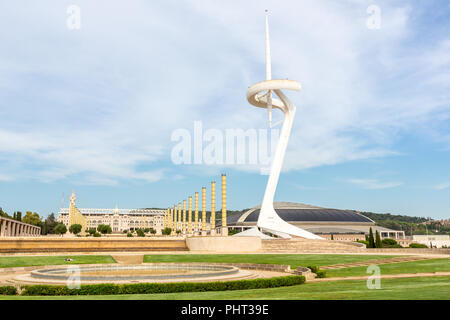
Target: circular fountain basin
x: 158, y: 271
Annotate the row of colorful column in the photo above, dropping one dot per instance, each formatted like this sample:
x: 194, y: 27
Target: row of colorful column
x: 14, y: 228
x: 178, y: 218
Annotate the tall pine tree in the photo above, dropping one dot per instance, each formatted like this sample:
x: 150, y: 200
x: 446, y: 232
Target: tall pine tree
x: 371, y: 240
x: 378, y: 243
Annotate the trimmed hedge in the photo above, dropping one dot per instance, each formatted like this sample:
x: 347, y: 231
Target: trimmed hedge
x: 317, y: 271
x: 150, y: 288
x: 417, y: 245
x: 8, y: 291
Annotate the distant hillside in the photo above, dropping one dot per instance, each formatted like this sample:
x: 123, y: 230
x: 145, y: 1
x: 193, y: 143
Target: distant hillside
x: 381, y: 217
x: 411, y: 225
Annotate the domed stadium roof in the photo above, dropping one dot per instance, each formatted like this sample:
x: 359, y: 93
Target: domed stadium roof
x: 303, y: 213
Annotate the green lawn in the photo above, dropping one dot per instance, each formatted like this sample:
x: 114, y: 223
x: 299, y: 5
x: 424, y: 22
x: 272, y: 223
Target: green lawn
x: 27, y: 261
x: 294, y: 260
x: 434, y: 288
x: 434, y: 265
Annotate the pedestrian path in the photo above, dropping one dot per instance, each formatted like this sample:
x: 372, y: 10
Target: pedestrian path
x: 376, y: 261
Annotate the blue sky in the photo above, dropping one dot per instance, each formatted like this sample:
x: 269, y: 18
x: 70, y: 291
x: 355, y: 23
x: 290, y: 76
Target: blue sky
x: 93, y: 109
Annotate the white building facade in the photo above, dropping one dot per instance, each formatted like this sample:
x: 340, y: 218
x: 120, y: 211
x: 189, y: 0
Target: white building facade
x: 119, y: 219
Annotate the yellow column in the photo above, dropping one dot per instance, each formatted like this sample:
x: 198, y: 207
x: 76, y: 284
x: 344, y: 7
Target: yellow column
x: 204, y: 211
x: 190, y: 215
x: 174, y: 218
x: 224, y: 205
x: 179, y: 216
x: 196, y: 213
x: 213, y: 207
x: 184, y: 215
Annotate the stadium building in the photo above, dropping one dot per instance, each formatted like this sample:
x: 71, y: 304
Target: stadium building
x: 348, y: 225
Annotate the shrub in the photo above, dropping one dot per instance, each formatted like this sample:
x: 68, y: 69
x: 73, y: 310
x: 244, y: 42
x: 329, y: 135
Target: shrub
x: 104, y: 228
x: 364, y: 242
x: 8, y: 291
x: 317, y: 271
x: 389, y: 242
x: 147, y: 230
x: 91, y: 231
x: 166, y: 231
x: 75, y: 228
x: 140, y: 233
x: 97, y: 234
x: 417, y: 245
x: 150, y: 288
x: 125, y: 231
x: 152, y: 231
x: 129, y: 235
x: 60, y: 228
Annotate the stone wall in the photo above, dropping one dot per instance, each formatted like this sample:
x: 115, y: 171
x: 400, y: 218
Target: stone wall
x: 60, y: 244
x: 224, y: 244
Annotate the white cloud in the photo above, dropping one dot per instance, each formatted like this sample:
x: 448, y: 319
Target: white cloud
x: 98, y: 105
x: 374, y: 184
x: 442, y: 186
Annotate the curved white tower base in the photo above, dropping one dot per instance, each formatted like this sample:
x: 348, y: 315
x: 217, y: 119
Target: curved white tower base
x: 260, y: 95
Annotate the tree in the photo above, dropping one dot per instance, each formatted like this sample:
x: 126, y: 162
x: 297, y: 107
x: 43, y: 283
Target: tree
x: 371, y: 240
x: 19, y: 215
x: 75, y: 228
x: 166, y: 231
x: 31, y: 218
x: 91, y: 231
x: 60, y: 228
x: 3, y: 213
x: 50, y: 224
x: 140, y: 233
x: 378, y: 243
x: 104, y: 228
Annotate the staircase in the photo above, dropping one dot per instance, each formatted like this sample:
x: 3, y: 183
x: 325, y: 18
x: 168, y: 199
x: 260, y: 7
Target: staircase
x: 298, y: 245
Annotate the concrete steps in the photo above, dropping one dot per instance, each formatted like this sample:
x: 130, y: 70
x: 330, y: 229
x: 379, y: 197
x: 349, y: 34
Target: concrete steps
x: 298, y: 245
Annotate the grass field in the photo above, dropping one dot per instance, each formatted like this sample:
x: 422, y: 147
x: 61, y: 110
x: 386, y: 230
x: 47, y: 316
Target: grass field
x: 432, y: 288
x: 25, y: 261
x: 294, y: 260
x: 434, y: 265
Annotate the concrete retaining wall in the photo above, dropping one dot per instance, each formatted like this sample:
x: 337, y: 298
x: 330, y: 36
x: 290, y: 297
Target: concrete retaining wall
x: 410, y: 250
x: 224, y: 244
x: 59, y: 244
